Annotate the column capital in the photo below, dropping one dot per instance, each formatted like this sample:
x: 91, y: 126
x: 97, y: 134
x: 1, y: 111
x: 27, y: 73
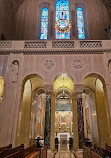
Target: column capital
x: 78, y: 89
x: 48, y: 90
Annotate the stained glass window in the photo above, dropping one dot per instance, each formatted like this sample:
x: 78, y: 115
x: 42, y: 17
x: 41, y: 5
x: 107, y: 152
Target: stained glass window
x: 80, y: 23
x: 62, y: 12
x: 44, y: 23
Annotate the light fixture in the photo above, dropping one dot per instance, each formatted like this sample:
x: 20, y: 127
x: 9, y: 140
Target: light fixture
x: 63, y: 96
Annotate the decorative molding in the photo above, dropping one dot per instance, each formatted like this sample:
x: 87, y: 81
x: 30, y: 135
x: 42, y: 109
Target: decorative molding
x: 63, y: 44
x: 48, y: 90
x: 77, y: 63
x: 78, y: 89
x: 35, y: 44
x: 5, y: 44
x: 49, y: 64
x: 90, y: 44
x: 14, y: 71
x: 53, y: 51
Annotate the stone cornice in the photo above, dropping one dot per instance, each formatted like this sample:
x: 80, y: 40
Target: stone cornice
x: 53, y: 51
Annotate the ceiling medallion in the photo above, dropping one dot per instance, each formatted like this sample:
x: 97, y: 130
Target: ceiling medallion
x: 62, y: 25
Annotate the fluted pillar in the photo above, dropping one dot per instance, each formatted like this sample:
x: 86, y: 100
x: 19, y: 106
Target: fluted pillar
x: 48, y: 91
x: 78, y: 92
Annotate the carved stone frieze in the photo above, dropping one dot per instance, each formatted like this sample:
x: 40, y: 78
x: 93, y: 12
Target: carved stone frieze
x: 35, y: 44
x: 49, y: 64
x: 5, y: 44
x: 90, y: 44
x: 63, y: 44
x: 77, y: 63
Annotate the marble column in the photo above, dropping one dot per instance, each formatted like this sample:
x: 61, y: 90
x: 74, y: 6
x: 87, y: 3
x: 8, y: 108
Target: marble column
x: 81, y: 137
x: 47, y: 133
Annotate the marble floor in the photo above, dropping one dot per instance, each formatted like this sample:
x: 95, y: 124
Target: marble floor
x: 64, y: 154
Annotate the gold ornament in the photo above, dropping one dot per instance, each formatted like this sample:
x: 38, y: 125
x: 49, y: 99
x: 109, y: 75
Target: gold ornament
x: 65, y: 29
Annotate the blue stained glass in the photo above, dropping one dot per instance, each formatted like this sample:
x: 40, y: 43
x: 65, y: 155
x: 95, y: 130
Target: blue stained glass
x: 80, y: 23
x: 62, y: 6
x: 44, y: 23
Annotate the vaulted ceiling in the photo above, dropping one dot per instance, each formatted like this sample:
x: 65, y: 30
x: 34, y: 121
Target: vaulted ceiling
x: 15, y: 4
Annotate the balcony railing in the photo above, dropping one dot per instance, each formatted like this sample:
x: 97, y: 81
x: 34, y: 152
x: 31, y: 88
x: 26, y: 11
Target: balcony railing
x: 55, y: 45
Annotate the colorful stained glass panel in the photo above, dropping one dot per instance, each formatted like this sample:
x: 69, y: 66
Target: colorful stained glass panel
x: 44, y: 23
x: 80, y: 23
x: 62, y: 12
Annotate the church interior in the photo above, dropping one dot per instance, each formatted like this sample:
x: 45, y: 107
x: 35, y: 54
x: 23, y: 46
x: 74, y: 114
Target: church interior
x: 55, y: 78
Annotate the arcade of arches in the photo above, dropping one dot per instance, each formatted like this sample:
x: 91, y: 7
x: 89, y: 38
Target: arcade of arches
x: 55, y: 84
x: 54, y: 111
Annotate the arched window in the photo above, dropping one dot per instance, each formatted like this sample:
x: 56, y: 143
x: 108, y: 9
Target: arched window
x: 44, y: 23
x: 62, y: 12
x: 80, y: 23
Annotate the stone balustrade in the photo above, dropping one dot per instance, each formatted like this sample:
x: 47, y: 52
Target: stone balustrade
x: 56, y: 46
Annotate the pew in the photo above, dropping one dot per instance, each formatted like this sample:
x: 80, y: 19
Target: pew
x: 6, y: 147
x: 90, y: 153
x: 86, y: 152
x: 32, y: 152
x: 43, y: 151
x: 107, y: 147
x: 20, y: 152
x: 94, y: 155
x: 7, y: 152
x: 102, y: 152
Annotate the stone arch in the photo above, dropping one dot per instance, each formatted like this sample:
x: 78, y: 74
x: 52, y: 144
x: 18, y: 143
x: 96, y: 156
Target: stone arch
x: 66, y: 86
x: 97, y: 75
x: 91, y: 108
x: 30, y: 84
x: 96, y: 83
x: 31, y: 75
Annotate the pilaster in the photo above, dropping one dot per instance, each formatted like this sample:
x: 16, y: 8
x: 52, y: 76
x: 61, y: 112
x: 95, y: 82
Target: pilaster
x: 75, y: 124
x: 78, y: 92
x: 9, y: 114
x: 48, y: 91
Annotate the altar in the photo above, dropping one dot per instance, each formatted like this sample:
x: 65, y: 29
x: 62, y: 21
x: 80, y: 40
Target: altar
x: 63, y: 139
x: 63, y: 136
